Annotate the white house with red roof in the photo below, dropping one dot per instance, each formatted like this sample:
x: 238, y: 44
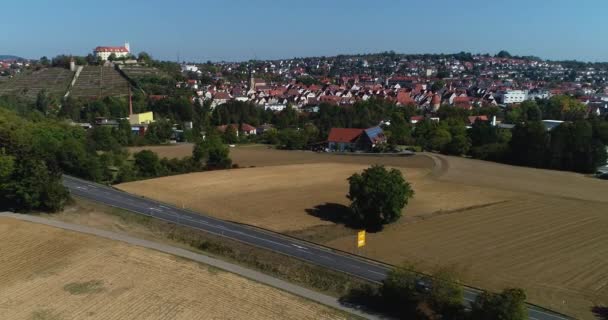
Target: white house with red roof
x: 244, y: 128
x: 103, y: 53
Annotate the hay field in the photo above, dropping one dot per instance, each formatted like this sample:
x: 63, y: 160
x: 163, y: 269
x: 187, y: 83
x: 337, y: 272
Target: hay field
x: 52, y: 274
x: 280, y: 198
x: 264, y: 155
x: 556, y: 249
x: 499, y: 225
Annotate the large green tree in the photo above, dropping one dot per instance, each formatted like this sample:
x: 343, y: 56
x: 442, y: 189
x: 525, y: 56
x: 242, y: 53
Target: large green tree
x: 446, y: 294
x: 575, y: 146
x: 459, y: 143
x: 378, y: 196
x: 147, y: 164
x: 159, y: 131
x: 399, y: 293
x: 211, y: 153
x: 230, y: 135
x: 528, y: 145
x: 507, y: 305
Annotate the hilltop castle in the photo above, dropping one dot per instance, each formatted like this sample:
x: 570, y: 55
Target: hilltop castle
x: 103, y: 53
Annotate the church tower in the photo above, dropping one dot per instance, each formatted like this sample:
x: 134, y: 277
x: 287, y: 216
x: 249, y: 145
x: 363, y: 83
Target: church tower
x: 251, y: 79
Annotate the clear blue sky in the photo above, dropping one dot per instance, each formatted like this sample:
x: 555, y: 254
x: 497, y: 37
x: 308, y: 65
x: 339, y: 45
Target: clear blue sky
x: 244, y: 29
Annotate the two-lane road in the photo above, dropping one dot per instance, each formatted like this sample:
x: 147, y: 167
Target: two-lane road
x: 302, y: 250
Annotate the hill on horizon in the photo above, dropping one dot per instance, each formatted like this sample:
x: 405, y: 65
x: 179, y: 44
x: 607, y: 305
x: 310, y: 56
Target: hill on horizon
x: 10, y: 57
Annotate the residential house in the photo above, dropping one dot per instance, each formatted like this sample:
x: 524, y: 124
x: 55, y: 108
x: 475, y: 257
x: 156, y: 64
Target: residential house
x: 416, y: 119
x: 245, y: 129
x: 551, y: 124
x: 353, y: 139
x: 141, y: 118
x: 473, y: 119
x: 275, y: 107
x: 220, y: 98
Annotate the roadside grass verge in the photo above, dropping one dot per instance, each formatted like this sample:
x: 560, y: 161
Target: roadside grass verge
x: 287, y: 268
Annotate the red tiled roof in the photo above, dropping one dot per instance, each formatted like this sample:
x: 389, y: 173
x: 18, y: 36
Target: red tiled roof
x: 472, y: 119
x: 313, y: 87
x: 404, y: 98
x: 221, y: 96
x: 247, y: 127
x: 157, y: 97
x: 462, y: 100
x: 416, y: 118
x: 436, y: 99
x: 344, y: 134
x: 244, y: 127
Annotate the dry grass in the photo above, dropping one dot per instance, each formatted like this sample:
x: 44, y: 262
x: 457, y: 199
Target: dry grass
x: 500, y: 225
x: 279, y: 198
x: 49, y: 273
x: 85, y: 212
x: 263, y: 155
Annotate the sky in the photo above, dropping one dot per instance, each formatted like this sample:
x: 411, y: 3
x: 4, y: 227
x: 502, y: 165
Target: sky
x: 235, y: 30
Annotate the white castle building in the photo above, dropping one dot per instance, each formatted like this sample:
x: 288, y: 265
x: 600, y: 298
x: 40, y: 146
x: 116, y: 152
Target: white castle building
x: 103, y: 53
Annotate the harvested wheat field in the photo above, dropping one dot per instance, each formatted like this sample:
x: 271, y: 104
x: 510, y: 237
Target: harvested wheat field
x: 499, y: 225
x: 52, y: 274
x: 264, y: 155
x: 282, y: 198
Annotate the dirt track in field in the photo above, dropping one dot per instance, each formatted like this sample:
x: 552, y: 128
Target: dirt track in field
x: 498, y: 225
x: 51, y: 274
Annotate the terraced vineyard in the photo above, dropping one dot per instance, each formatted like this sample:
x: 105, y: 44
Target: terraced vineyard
x: 151, y: 80
x: 96, y: 81
x: 138, y: 72
x: 53, y: 80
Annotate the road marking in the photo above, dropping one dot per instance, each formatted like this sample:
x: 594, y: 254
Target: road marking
x: 553, y: 315
x: 372, y: 271
x: 299, y: 247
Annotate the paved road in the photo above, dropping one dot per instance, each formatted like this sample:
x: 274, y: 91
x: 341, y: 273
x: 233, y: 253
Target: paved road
x: 325, y: 257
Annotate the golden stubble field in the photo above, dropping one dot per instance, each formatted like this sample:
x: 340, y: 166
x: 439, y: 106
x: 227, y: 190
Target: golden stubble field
x: 51, y: 274
x: 498, y: 225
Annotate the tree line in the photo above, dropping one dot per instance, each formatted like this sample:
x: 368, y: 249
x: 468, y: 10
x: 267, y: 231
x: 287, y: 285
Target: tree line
x: 578, y: 144
x: 407, y: 294
x: 36, y: 149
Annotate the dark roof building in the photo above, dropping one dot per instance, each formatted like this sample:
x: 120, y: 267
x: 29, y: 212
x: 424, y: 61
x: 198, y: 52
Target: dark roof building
x: 347, y: 135
x: 352, y: 139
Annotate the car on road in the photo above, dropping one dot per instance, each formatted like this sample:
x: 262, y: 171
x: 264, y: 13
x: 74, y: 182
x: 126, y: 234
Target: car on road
x: 602, y: 175
x: 423, y: 285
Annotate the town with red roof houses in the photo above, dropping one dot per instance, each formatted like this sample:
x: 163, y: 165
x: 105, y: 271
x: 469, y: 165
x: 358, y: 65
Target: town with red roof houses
x: 425, y: 81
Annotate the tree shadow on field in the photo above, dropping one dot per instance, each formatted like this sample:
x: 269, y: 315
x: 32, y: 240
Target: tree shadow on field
x: 334, y: 212
x: 600, y: 312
